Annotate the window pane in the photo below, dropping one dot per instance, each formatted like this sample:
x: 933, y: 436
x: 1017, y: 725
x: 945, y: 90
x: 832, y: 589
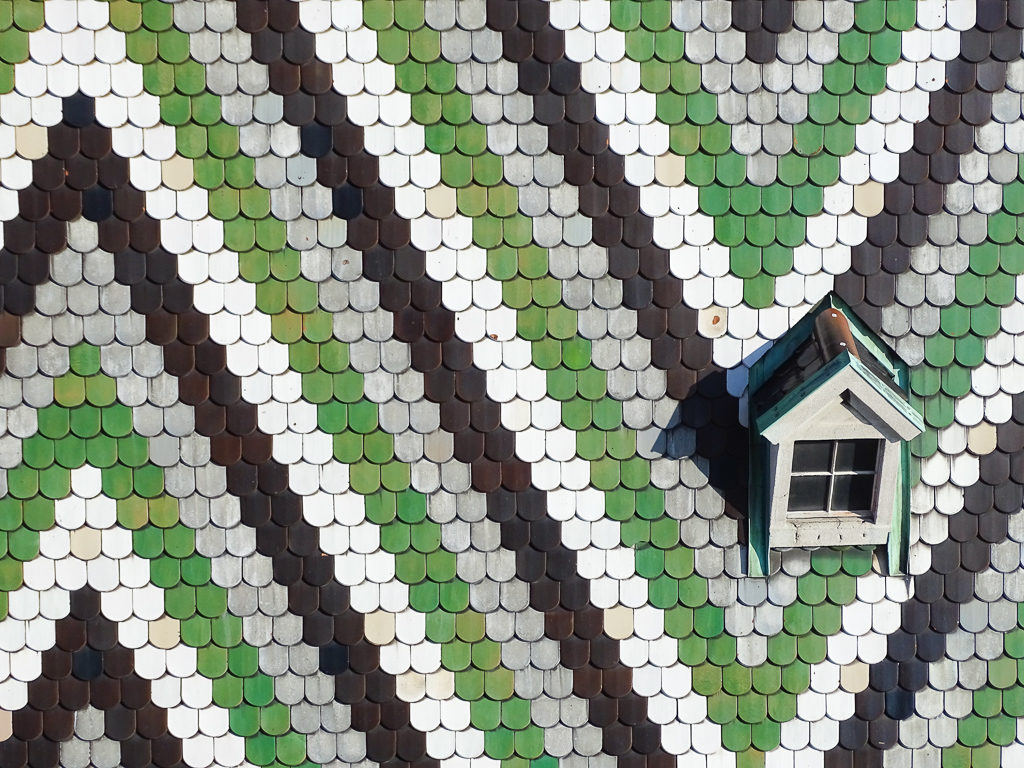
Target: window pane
x: 808, y: 493
x: 812, y: 456
x: 853, y: 493
x: 856, y: 455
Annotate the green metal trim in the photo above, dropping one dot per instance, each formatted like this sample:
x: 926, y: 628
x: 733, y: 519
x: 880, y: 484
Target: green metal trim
x: 758, y: 550
x: 898, y: 546
x: 903, y: 406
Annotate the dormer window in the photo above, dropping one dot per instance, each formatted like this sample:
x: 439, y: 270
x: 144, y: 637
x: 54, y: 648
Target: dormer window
x: 829, y: 424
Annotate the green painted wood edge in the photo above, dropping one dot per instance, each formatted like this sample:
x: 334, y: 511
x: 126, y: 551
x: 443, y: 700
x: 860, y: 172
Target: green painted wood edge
x: 898, y: 545
x: 758, y: 551
x: 901, y: 404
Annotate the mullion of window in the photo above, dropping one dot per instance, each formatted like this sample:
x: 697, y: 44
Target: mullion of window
x: 834, y: 448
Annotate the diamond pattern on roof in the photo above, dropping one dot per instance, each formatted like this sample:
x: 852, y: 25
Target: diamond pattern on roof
x: 373, y: 380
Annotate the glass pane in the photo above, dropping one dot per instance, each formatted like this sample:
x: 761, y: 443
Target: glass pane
x: 856, y: 455
x: 812, y: 456
x: 808, y: 493
x: 853, y: 493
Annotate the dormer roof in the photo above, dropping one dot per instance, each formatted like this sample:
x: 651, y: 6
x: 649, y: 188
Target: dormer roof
x: 830, y: 344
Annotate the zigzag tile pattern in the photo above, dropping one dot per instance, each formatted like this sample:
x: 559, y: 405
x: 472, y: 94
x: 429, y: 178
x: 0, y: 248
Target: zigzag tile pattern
x: 373, y: 380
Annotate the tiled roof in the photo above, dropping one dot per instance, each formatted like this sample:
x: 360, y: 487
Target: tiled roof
x: 374, y: 380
